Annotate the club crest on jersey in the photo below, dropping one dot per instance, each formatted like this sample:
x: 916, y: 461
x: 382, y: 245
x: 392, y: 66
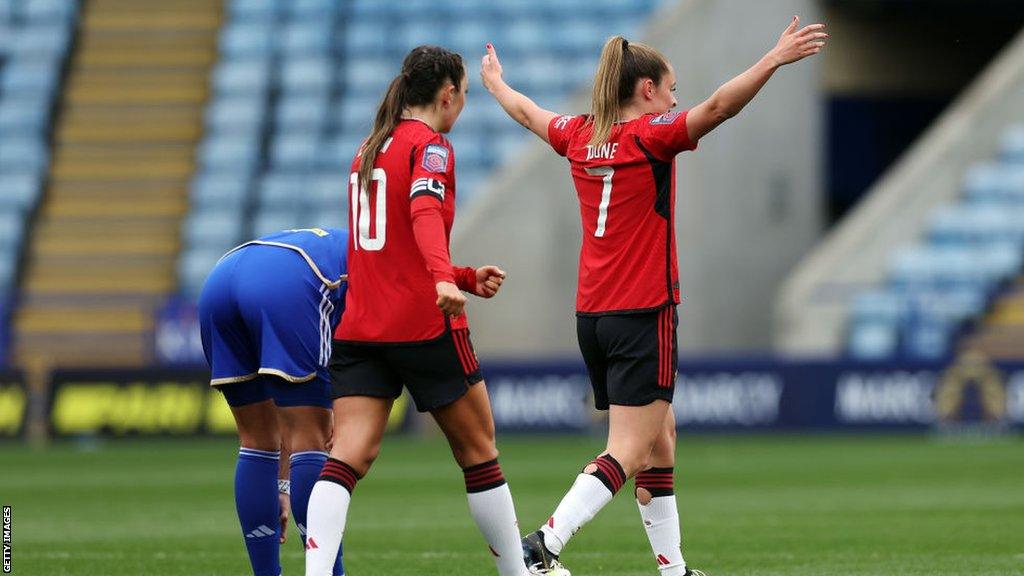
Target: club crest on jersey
x: 666, y: 118
x: 435, y: 158
x: 562, y: 122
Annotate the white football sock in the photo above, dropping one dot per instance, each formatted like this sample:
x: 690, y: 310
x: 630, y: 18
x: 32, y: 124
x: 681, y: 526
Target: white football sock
x: 661, y: 519
x: 495, y: 516
x: 583, y: 501
x: 325, y: 526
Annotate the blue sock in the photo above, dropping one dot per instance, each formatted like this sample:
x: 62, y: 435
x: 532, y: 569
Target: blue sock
x: 258, y: 508
x: 305, y: 470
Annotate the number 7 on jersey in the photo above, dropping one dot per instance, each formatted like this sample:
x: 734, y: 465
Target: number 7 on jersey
x: 606, y: 173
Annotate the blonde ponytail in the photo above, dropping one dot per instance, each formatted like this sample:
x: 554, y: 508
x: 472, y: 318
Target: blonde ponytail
x: 622, y: 64
x: 605, y: 105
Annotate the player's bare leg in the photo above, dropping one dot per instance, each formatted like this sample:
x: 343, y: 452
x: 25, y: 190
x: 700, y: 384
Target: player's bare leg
x: 306, y: 431
x: 359, y: 423
x: 469, y: 427
x: 257, y: 426
x: 632, y: 435
x: 655, y: 497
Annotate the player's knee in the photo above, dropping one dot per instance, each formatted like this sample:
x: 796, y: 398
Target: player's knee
x: 477, y: 451
x: 269, y: 441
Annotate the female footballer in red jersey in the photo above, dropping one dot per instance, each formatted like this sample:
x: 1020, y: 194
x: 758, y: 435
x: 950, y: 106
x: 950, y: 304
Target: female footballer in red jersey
x: 622, y: 163
x: 404, y: 322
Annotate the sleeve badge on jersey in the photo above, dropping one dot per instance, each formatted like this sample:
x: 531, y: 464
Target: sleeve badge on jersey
x: 435, y: 158
x: 666, y: 118
x: 562, y: 122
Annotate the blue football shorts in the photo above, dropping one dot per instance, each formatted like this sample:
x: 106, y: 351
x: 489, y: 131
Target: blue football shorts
x: 266, y: 322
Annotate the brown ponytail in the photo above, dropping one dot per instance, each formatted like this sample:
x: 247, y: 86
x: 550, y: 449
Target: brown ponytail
x: 622, y: 64
x: 424, y: 71
x: 388, y: 114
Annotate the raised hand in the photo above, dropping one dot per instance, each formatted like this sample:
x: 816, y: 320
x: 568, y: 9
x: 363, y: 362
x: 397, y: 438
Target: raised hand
x: 797, y: 44
x: 488, y: 281
x: 490, y: 69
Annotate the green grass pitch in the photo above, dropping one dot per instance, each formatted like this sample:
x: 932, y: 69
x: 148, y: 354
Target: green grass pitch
x: 768, y: 505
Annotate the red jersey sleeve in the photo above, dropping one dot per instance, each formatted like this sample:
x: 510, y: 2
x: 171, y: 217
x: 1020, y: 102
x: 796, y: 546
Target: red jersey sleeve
x: 666, y: 135
x: 561, y: 130
x: 431, y: 179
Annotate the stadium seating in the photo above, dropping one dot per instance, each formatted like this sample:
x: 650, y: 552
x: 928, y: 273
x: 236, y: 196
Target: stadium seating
x: 938, y: 290
x: 35, y: 36
x: 298, y: 81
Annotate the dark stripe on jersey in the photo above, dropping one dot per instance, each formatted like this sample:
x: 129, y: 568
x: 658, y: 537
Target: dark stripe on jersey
x: 662, y: 172
x: 627, y: 312
x: 412, y: 160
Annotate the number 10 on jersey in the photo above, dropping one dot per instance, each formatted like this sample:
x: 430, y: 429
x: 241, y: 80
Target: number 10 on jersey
x: 361, y: 210
x: 606, y: 173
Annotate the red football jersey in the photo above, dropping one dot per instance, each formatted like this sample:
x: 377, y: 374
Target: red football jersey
x: 391, y: 294
x: 626, y: 190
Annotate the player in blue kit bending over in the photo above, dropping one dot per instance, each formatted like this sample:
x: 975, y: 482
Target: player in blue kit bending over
x: 267, y: 312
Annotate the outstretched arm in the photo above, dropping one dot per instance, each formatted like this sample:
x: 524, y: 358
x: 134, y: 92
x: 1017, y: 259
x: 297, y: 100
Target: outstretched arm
x: 732, y: 96
x: 517, y: 105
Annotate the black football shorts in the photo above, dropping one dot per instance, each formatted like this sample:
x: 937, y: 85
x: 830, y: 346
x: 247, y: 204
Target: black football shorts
x: 631, y: 358
x: 437, y: 372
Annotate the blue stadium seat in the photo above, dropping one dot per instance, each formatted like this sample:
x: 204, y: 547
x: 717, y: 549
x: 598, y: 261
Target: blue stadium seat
x: 361, y: 40
x: 995, y: 182
x: 527, y: 35
x: 977, y: 222
x: 368, y: 77
x: 247, y: 40
x: 358, y: 113
x: 193, y: 267
x: 49, y: 10
x: 297, y: 151
x: 37, y: 78
x: 242, y: 76
x: 307, y: 74
x: 879, y: 305
x: 12, y: 230
x: 873, y: 340
x: 312, y: 8
x: 25, y: 153
x: 232, y: 152
x: 41, y: 41
x: 325, y: 217
x: 928, y: 339
x: 468, y: 37
x: 212, y: 230
x: 328, y: 189
x: 307, y: 37
x: 1013, y: 144
x: 337, y: 153
x: 270, y: 220
x: 19, y: 191
x: 363, y: 11
x: 281, y: 190
x: 8, y: 274
x: 30, y: 115
x: 225, y: 191
x: 302, y: 112
x: 236, y: 114
x: 254, y: 9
